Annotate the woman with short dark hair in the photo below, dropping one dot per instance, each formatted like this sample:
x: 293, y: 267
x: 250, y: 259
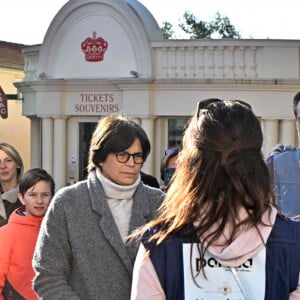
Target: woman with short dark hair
x: 82, y: 251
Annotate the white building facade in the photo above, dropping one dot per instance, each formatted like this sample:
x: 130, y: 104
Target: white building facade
x: 105, y: 57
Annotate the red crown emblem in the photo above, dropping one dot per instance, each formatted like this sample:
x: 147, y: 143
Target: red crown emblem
x: 94, y: 48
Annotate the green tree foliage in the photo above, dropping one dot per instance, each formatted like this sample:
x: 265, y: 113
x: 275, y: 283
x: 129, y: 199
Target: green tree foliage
x: 218, y: 27
x: 196, y: 29
x: 167, y: 30
x: 222, y: 26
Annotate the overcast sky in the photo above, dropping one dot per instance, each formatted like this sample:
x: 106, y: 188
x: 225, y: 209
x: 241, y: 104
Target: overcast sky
x: 26, y: 21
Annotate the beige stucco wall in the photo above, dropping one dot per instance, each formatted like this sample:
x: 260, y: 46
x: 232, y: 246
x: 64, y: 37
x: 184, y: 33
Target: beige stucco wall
x: 15, y: 130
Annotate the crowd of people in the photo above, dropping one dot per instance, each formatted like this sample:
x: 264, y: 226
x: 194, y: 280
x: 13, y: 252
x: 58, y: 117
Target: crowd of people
x: 222, y: 222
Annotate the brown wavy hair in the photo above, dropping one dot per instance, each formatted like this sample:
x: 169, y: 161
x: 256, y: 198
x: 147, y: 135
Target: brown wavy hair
x: 220, y: 169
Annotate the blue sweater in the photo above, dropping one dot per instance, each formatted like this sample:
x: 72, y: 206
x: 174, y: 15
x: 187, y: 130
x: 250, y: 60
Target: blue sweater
x: 285, y: 169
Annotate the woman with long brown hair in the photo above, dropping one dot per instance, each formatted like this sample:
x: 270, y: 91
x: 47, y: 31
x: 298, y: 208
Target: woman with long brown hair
x: 219, y: 234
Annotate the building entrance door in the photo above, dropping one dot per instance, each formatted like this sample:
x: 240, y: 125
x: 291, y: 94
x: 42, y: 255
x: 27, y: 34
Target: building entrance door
x: 85, y: 133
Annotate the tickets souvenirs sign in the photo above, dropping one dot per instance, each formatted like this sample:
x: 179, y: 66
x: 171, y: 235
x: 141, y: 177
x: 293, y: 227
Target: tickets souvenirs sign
x: 94, y: 103
x: 3, y: 104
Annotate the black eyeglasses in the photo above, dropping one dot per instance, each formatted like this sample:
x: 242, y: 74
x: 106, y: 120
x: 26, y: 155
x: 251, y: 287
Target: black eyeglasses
x: 206, y: 102
x: 124, y: 156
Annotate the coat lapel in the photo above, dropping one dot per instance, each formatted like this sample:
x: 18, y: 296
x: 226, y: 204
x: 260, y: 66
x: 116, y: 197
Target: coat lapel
x: 141, y: 211
x: 141, y: 214
x: 106, y: 220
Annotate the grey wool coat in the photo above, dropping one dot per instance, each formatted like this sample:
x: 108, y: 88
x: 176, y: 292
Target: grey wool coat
x: 79, y: 252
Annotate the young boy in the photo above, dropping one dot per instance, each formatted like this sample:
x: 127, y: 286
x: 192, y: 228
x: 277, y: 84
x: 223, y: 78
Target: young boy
x: 18, y: 237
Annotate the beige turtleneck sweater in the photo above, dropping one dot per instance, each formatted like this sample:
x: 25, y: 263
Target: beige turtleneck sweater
x: 119, y: 199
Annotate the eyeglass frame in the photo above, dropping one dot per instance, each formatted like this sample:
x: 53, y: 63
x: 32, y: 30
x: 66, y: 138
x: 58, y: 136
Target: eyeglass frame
x: 134, y: 156
x: 206, y: 102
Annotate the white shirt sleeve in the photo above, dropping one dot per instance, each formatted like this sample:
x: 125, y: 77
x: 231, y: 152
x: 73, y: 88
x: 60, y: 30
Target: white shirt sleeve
x: 145, y: 283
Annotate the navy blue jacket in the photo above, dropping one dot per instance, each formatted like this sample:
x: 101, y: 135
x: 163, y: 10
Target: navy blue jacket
x: 282, y: 261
